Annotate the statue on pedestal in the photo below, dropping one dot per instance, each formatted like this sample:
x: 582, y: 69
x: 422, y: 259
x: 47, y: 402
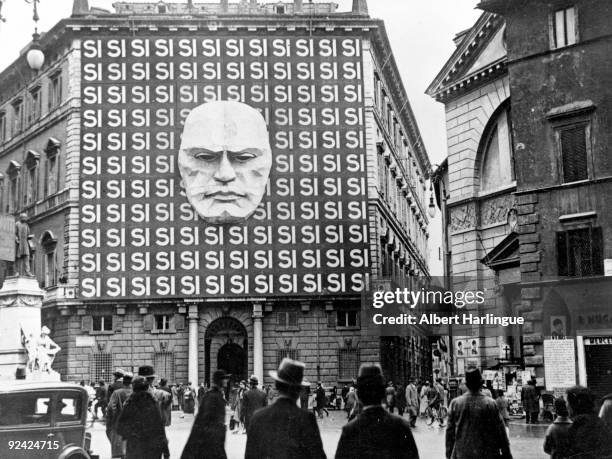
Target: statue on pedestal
x: 41, y: 351
x: 23, y: 249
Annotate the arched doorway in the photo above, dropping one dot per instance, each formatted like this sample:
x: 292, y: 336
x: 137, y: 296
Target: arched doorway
x: 226, y: 348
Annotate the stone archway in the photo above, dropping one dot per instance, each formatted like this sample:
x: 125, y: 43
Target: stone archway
x: 226, y: 347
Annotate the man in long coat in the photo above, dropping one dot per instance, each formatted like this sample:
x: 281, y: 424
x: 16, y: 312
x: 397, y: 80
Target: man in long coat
x: 113, y: 412
x: 140, y: 424
x: 282, y: 430
x: 375, y: 433
x: 253, y: 400
x: 531, y: 404
x: 475, y: 428
x: 412, y: 402
x: 207, y: 438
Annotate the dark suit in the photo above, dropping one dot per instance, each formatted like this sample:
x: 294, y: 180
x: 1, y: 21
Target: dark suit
x: 475, y: 429
x: 207, y: 438
x: 284, y: 431
x: 377, y: 434
x: 253, y: 400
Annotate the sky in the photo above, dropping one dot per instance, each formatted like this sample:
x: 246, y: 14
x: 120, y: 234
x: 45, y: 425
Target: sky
x: 420, y: 31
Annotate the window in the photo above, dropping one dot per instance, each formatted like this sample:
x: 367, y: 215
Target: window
x: 564, y: 30
x: 35, y: 108
x: 49, y: 243
x: 580, y: 252
x: 24, y: 409
x: 13, y: 174
x: 163, y: 362
x: 496, y: 152
x: 573, y: 146
x: 101, y: 366
x: 102, y: 323
x: 348, y: 363
x: 287, y: 319
x: 162, y: 9
x: 3, y: 136
x: 69, y: 408
x: 289, y: 353
x: 280, y: 10
x: 162, y: 322
x: 52, y: 166
x: 55, y: 90
x: 347, y: 318
x: 17, y: 116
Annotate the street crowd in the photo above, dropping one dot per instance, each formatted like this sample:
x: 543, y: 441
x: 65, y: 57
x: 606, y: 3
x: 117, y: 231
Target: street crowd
x: 281, y: 421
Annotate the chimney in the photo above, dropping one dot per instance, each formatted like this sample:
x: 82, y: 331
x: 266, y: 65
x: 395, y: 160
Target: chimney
x: 224, y: 6
x: 297, y: 6
x: 360, y: 7
x: 80, y: 7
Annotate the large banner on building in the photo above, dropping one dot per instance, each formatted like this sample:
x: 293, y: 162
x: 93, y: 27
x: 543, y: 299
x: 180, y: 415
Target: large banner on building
x: 222, y: 166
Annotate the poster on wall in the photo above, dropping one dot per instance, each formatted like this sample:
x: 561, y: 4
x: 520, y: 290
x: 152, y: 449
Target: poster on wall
x: 559, y: 363
x: 229, y: 166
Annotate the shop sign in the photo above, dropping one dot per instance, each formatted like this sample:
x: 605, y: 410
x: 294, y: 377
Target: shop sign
x: 598, y: 341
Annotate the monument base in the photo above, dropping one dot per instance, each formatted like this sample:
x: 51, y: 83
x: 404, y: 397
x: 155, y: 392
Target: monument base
x: 20, y: 306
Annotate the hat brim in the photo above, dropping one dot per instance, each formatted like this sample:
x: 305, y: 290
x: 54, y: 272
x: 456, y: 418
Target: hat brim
x: 275, y: 377
x: 148, y: 376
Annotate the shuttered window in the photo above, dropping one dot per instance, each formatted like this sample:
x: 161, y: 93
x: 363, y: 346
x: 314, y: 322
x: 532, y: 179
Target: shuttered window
x: 287, y: 319
x: 574, y: 154
x: 289, y: 353
x: 580, y: 252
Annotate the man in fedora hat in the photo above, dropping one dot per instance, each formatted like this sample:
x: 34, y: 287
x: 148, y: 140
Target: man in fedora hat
x: 375, y: 433
x: 254, y: 399
x: 282, y: 430
x: 113, y: 412
x: 475, y: 427
x: 162, y: 398
x: 207, y: 438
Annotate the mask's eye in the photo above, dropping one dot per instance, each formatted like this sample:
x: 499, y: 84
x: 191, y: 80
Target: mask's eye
x: 243, y: 156
x: 206, y: 156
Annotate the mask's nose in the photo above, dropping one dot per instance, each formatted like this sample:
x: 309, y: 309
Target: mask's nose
x: 225, y: 172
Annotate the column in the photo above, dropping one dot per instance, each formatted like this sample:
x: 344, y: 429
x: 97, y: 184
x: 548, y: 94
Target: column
x: 258, y: 341
x: 193, y: 317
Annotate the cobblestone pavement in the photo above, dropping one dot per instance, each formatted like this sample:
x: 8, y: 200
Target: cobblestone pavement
x: 526, y: 440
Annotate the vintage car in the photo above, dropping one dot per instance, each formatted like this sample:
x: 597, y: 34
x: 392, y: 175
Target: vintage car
x: 43, y: 420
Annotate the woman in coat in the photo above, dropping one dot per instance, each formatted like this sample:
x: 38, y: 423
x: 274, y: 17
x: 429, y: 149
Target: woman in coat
x: 140, y: 424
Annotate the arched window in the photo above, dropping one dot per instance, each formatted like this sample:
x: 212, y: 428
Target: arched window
x: 496, y: 151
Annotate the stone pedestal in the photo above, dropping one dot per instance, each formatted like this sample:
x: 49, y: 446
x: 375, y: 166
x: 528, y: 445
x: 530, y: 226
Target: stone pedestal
x: 20, y: 305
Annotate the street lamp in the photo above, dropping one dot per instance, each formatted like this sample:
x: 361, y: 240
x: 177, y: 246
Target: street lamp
x: 35, y: 56
x: 431, y: 210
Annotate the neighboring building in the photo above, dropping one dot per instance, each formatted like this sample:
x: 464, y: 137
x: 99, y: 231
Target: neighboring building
x: 132, y: 276
x: 475, y: 189
x: 561, y: 109
x: 544, y: 246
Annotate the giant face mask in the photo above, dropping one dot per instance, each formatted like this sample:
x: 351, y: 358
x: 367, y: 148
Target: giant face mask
x: 225, y: 160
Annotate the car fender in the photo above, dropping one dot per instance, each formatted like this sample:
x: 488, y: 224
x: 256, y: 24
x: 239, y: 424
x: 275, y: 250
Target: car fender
x: 73, y: 450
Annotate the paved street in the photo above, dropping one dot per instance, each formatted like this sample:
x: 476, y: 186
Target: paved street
x: 526, y: 441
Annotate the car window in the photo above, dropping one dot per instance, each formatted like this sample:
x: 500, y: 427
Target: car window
x: 69, y: 408
x: 25, y: 409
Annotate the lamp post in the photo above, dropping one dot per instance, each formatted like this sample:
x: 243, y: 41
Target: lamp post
x: 431, y: 209
x: 35, y: 56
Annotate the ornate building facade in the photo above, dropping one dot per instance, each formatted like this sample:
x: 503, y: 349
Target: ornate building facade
x: 132, y: 276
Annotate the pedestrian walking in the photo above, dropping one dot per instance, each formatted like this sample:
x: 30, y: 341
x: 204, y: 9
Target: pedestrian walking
x: 556, y: 441
x: 400, y: 400
x: 162, y: 397
x: 207, y: 438
x: 351, y: 400
x: 175, y: 396
x: 375, y: 433
x: 320, y: 401
x: 113, y: 413
x: 423, y: 398
x: 117, y: 382
x: 200, y: 394
x: 141, y: 426
x: 188, y: 399
x: 101, y: 399
x: 530, y: 401
x: 304, y: 397
x: 253, y: 400
x: 165, y: 401
x: 242, y: 390
x: 390, y: 397
x: 475, y: 428
x: 412, y: 402
x: 502, y: 405
x: 282, y: 430
x: 180, y: 392
x: 588, y: 435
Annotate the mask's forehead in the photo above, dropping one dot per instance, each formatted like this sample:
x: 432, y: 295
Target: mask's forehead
x: 225, y: 125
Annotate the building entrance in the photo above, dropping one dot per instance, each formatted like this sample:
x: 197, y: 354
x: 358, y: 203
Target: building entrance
x: 598, y: 356
x: 225, y: 348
